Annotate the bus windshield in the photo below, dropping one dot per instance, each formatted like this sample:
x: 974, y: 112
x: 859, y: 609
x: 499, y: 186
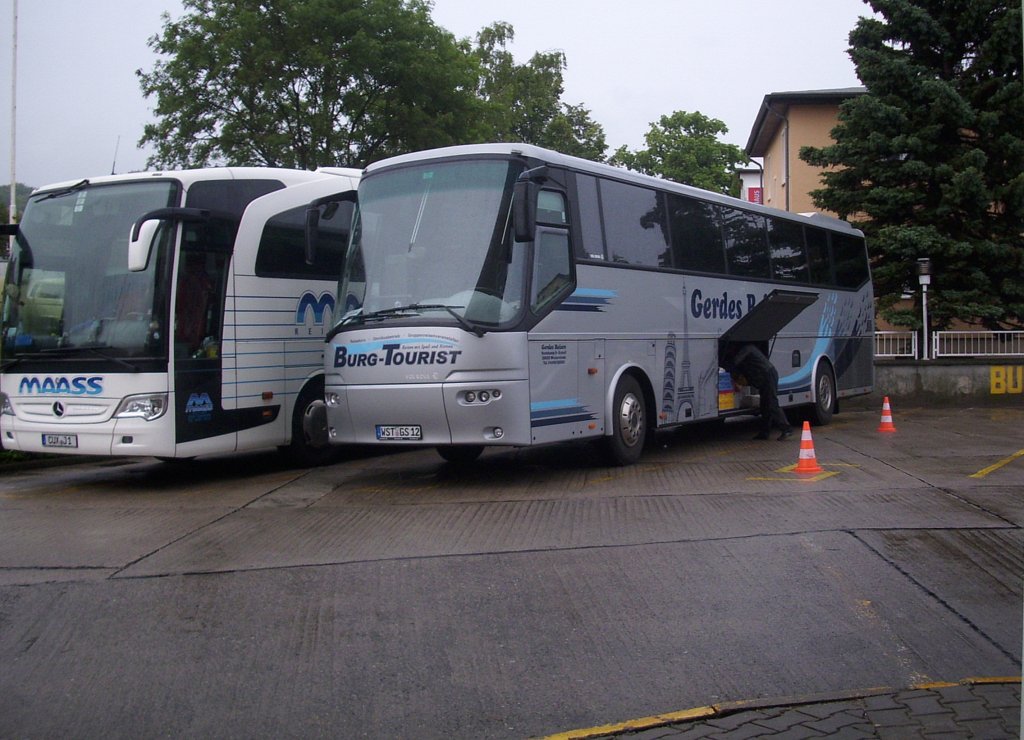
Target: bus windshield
x: 435, y: 240
x: 68, y: 290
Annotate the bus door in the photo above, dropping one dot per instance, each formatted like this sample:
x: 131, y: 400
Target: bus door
x: 201, y: 287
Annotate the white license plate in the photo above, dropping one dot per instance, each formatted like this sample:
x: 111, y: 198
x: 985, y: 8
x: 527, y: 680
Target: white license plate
x: 60, y: 440
x: 399, y: 431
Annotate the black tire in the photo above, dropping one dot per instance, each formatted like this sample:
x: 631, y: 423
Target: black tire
x: 460, y: 454
x: 824, y: 397
x: 628, y: 423
x: 301, y: 451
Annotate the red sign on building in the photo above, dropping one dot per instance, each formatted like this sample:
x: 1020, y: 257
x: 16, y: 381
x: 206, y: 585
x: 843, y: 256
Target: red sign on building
x: 755, y: 195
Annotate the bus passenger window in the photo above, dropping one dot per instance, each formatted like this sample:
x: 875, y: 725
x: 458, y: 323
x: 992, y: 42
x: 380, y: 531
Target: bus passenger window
x: 789, y: 260
x: 850, y: 260
x: 590, y: 232
x: 696, y: 236
x: 745, y: 247
x: 817, y: 255
x: 634, y: 225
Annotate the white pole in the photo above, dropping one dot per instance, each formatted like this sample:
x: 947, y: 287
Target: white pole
x: 924, y: 318
x: 11, y: 214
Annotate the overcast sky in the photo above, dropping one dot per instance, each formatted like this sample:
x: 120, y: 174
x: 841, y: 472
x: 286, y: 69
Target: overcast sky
x: 80, y: 111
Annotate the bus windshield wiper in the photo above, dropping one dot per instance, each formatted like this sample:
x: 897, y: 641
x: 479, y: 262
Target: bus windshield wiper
x: 461, y: 320
x: 66, y: 191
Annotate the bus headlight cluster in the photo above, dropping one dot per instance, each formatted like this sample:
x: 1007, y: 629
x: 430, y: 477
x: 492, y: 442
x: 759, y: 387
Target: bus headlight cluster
x: 481, y: 396
x: 149, y: 407
x: 331, y: 399
x: 7, y: 409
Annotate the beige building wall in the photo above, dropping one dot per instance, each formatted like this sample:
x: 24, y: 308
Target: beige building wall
x: 809, y: 125
x: 805, y: 125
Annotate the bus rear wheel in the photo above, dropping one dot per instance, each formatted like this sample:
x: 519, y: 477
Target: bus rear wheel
x: 824, y: 397
x: 628, y: 423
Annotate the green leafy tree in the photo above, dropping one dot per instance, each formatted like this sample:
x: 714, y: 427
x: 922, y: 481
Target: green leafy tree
x: 304, y: 83
x: 524, y: 101
x: 574, y: 132
x: 930, y: 162
x: 684, y: 147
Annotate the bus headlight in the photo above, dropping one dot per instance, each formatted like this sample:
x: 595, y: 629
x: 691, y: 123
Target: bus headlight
x: 149, y: 407
x: 7, y: 409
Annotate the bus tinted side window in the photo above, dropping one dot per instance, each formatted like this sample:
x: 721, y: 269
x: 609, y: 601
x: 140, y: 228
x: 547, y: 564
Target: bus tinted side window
x: 817, y: 256
x: 696, y: 236
x: 229, y: 196
x: 850, y: 261
x: 591, y: 234
x: 789, y: 260
x: 634, y: 225
x: 746, y: 250
x: 282, y: 245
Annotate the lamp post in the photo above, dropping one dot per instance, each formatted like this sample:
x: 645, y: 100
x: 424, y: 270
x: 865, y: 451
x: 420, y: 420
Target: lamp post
x: 924, y: 276
x: 14, y: 119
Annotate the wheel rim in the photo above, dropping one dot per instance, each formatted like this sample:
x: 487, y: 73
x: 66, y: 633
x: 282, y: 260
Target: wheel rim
x: 825, y: 398
x: 631, y: 420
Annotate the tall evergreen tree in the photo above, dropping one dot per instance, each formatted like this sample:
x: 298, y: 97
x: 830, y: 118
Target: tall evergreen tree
x: 930, y: 162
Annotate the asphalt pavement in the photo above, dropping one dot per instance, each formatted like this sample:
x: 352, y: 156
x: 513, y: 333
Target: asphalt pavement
x: 709, y: 590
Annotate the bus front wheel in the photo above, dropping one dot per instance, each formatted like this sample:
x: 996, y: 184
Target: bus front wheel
x: 628, y: 423
x: 303, y: 451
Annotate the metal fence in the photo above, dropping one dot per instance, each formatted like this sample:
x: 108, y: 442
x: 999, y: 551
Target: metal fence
x: 896, y: 344
x: 978, y: 344
x: 951, y: 344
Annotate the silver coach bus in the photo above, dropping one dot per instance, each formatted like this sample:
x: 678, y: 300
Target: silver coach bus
x: 504, y: 294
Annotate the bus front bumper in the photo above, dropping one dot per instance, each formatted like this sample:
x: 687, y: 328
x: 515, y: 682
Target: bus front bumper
x: 114, y: 437
x: 428, y: 414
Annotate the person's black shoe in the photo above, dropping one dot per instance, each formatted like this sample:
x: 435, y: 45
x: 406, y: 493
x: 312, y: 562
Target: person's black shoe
x: 761, y: 435
x: 788, y: 432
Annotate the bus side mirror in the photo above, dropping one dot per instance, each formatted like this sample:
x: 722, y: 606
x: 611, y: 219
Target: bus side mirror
x: 524, y: 209
x: 140, y: 244
x: 313, y: 218
x: 524, y: 202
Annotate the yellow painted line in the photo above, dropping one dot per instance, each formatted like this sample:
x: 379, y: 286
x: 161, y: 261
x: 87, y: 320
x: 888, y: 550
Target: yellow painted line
x: 803, y: 477
x: 634, y: 725
x: 934, y: 685
x: 992, y: 679
x: 992, y: 468
x: 731, y: 707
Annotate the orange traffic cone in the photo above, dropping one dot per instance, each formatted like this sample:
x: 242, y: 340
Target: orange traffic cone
x: 807, y: 463
x: 886, y: 425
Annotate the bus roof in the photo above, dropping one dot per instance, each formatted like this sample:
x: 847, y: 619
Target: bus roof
x: 557, y: 159
x: 187, y: 177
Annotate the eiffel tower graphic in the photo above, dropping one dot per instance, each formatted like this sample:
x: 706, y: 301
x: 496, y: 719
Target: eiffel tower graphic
x: 677, y: 398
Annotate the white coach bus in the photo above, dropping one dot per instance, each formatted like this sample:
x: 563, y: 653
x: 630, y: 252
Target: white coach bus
x: 171, y: 314
x: 509, y: 295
